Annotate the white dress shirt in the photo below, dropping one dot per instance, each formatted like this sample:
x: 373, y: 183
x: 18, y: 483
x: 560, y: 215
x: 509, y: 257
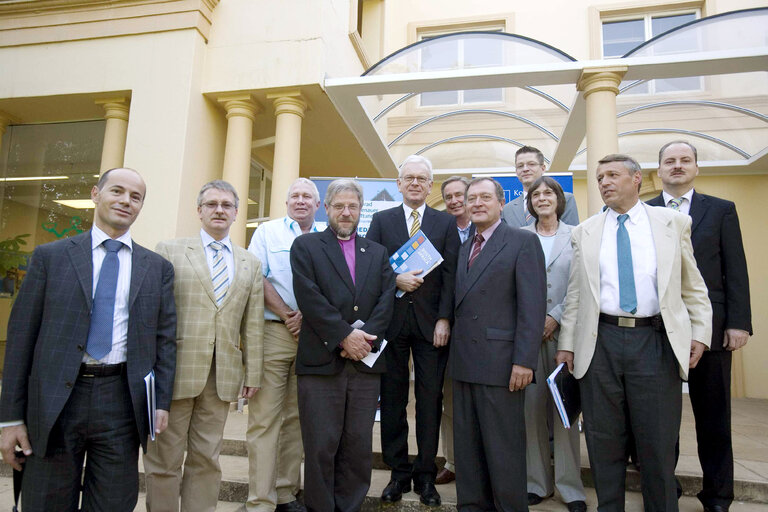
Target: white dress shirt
x: 685, y: 206
x: 643, y: 262
x: 271, y: 243
x: 118, y: 353
x: 409, y: 220
x: 227, y: 252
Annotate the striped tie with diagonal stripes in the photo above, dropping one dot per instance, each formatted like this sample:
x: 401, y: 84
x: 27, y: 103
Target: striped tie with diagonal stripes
x: 675, y: 203
x: 220, y: 276
x: 416, y: 225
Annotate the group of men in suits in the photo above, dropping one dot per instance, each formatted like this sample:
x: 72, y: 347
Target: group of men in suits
x: 642, y: 305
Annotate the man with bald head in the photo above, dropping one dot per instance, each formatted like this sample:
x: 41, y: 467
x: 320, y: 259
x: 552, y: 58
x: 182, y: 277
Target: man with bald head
x: 94, y: 315
x: 719, y: 254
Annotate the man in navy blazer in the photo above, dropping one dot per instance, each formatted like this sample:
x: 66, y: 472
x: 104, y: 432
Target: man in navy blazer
x: 501, y: 303
x: 344, y: 288
x: 719, y: 253
x: 58, y: 401
x: 421, y: 326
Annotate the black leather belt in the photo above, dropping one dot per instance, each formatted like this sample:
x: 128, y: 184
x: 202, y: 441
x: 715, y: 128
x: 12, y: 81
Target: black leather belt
x: 625, y: 321
x: 101, y: 370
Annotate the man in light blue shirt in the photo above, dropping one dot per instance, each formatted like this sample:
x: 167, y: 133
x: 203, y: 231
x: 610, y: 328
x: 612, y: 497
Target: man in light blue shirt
x: 273, y: 416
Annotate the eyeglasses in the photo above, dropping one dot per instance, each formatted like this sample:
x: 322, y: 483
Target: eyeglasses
x: 340, y: 207
x: 421, y: 180
x: 213, y: 205
x: 483, y: 198
x: 531, y: 165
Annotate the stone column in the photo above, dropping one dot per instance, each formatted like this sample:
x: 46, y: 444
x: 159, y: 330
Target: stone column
x: 289, y: 112
x: 600, y: 87
x: 241, y: 113
x: 116, y: 113
x: 5, y: 120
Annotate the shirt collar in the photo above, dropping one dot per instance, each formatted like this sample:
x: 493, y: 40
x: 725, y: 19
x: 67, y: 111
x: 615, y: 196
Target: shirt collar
x: 488, y: 233
x: 293, y: 225
x: 407, y: 209
x: 98, y: 236
x: 667, y: 197
x: 207, y: 239
x: 634, y: 213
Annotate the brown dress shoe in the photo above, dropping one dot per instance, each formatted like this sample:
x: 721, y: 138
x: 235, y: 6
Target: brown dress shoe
x: 445, y: 476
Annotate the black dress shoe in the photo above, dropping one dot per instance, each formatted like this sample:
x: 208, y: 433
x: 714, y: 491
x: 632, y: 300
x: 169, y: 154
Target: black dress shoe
x: 534, y: 499
x: 576, y: 506
x: 294, y: 506
x: 428, y: 494
x: 715, y: 508
x: 394, y: 490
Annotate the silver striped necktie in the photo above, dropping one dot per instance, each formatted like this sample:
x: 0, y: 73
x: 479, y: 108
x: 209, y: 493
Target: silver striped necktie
x: 220, y: 276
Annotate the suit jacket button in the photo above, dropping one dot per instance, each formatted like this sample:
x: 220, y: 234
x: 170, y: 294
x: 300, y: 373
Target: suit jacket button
x: 549, y: 270
x: 325, y: 343
x: 549, y: 301
x: 355, y: 308
x: 474, y: 317
x: 68, y: 385
x: 549, y: 285
x: 80, y: 348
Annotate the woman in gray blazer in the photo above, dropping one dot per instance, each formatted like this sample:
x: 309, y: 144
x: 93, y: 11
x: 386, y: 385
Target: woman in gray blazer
x: 546, y: 202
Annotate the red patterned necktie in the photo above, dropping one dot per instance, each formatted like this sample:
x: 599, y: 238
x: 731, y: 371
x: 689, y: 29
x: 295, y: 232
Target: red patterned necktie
x: 476, y: 243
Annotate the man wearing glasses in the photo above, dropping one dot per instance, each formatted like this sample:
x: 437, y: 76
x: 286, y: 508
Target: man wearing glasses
x: 530, y: 166
x: 220, y: 322
x: 420, y: 326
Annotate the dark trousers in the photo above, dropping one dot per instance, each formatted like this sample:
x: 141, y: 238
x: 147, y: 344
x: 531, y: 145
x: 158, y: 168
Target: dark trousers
x: 336, y: 413
x: 97, y: 421
x: 429, y: 363
x: 633, y: 380
x: 709, y: 386
x: 489, y: 446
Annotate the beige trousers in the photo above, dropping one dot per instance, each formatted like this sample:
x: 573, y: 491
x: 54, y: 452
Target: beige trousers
x: 197, y: 425
x: 274, y: 434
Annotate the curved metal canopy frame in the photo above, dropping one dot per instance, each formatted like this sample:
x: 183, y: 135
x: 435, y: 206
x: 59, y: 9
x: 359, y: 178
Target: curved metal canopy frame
x: 691, y: 133
x: 697, y: 103
x: 486, y: 136
x: 471, y: 111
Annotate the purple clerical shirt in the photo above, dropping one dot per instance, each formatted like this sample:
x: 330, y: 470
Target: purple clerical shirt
x: 348, y: 248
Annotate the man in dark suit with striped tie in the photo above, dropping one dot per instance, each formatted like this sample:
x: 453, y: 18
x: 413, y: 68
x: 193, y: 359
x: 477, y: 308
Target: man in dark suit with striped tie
x: 420, y: 326
x: 94, y: 315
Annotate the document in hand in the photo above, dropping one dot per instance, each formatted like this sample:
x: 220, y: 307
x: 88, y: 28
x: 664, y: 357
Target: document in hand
x: 371, y: 358
x: 418, y: 253
x: 149, y: 382
x: 565, y: 392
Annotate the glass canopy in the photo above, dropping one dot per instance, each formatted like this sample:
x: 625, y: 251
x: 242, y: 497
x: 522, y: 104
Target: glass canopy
x: 469, y: 100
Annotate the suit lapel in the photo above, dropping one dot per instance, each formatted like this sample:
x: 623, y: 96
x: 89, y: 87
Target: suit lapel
x: 562, y: 239
x: 487, y: 254
x: 138, y: 271
x: 401, y: 226
x: 699, y: 205
x: 195, y: 253
x: 332, y: 249
x: 81, y: 255
x: 590, y: 246
x: 240, y: 263
x: 664, y: 241
x: 461, y: 270
x: 362, y: 264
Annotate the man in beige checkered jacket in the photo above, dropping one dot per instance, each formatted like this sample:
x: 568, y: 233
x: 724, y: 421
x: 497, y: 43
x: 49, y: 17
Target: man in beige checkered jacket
x: 220, y: 310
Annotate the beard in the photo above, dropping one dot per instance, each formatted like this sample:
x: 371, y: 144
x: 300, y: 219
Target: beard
x: 340, y: 231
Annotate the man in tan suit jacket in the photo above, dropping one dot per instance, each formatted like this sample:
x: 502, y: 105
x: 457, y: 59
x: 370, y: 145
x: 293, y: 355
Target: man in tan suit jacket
x: 220, y: 310
x: 630, y: 351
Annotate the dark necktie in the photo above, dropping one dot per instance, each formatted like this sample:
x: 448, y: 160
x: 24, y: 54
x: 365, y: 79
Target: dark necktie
x: 476, y: 243
x: 627, y: 295
x: 103, y: 314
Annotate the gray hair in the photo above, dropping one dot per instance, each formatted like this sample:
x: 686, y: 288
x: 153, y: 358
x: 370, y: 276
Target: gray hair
x: 416, y: 159
x: 452, y: 179
x: 665, y: 146
x: 218, y: 185
x: 343, y: 185
x: 630, y: 163
x: 309, y: 183
x: 496, y: 186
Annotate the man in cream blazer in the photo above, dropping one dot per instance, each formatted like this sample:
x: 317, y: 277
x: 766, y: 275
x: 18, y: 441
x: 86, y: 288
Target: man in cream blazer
x: 631, y: 346
x: 220, y: 310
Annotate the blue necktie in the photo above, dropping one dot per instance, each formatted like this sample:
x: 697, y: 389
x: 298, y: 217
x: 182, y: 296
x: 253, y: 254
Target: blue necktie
x: 627, y: 295
x: 103, y: 314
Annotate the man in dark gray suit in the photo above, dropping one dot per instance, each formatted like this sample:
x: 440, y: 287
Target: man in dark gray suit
x: 94, y: 316
x: 530, y: 166
x: 499, y: 318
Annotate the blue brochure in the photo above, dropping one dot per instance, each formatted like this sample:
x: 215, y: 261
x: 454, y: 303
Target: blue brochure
x: 418, y: 253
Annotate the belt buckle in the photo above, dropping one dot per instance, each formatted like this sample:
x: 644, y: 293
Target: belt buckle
x: 625, y: 321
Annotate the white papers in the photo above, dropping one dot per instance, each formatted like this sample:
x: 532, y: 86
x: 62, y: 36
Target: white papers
x: 371, y: 358
x: 556, y: 396
x: 149, y: 383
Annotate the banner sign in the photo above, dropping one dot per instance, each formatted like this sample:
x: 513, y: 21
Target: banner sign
x: 378, y: 194
x: 513, y: 188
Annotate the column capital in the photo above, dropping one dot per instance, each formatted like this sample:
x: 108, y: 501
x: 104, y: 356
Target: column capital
x: 289, y: 102
x: 5, y: 120
x: 115, y: 108
x: 601, y: 79
x: 240, y: 105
